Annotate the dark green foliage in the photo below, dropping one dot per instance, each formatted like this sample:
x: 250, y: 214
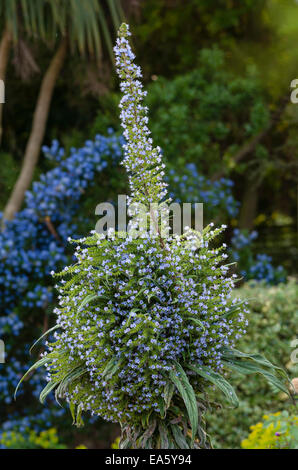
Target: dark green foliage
x: 176, y: 29
x: 203, y: 116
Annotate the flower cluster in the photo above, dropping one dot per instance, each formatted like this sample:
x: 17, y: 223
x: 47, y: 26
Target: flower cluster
x: 263, y: 270
x: 142, y: 162
x: 129, y: 310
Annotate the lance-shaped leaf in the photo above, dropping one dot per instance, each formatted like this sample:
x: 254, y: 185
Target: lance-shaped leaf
x: 70, y: 377
x: 168, y: 393
x: 40, y: 363
x: 257, y: 364
x: 246, y: 367
x: 231, y: 311
x: 180, y: 379
x: 163, y: 435
x: 86, y: 300
x: 42, y: 336
x: 219, y: 381
x: 232, y: 354
x: 45, y: 392
x: 179, y: 437
x: 112, y: 366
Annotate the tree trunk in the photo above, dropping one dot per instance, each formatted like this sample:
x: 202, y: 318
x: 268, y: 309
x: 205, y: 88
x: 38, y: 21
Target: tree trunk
x: 5, y: 46
x: 37, y: 132
x: 249, y: 206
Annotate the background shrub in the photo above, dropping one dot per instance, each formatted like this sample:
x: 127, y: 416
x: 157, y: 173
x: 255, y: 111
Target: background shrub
x: 272, y: 326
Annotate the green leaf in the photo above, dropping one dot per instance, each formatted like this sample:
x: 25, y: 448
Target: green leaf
x: 111, y: 367
x: 245, y: 367
x: 86, y: 300
x: 147, y: 434
x: 232, y: 310
x: 168, y: 393
x: 163, y: 433
x: 233, y: 359
x: 218, y: 381
x: 42, y: 336
x: 179, y: 437
x: 40, y: 363
x: 162, y: 407
x: 45, y: 392
x: 79, y: 421
x: 197, y: 322
x: 76, y: 413
x: 70, y: 377
x: 188, y: 395
x: 229, y: 353
x: 72, y: 408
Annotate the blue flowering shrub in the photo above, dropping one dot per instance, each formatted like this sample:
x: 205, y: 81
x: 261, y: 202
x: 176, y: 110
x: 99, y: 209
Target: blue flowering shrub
x: 258, y: 267
x: 31, y: 246
x: 146, y: 322
x: 187, y: 185
x: 117, y: 281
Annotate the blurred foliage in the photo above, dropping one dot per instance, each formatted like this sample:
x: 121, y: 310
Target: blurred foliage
x: 276, y: 431
x: 32, y: 440
x: 258, y: 267
x: 272, y: 326
x: 174, y: 47
x: 8, y: 175
x: 206, y: 116
x: 115, y: 444
x: 211, y: 92
x: 202, y: 116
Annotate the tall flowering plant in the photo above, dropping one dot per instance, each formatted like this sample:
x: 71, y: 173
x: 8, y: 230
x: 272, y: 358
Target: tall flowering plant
x: 146, y: 324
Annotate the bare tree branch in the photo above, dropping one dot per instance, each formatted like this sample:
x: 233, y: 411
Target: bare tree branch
x: 37, y: 132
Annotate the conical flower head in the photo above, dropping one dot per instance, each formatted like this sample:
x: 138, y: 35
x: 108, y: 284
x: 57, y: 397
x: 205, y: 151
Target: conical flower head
x: 142, y: 161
